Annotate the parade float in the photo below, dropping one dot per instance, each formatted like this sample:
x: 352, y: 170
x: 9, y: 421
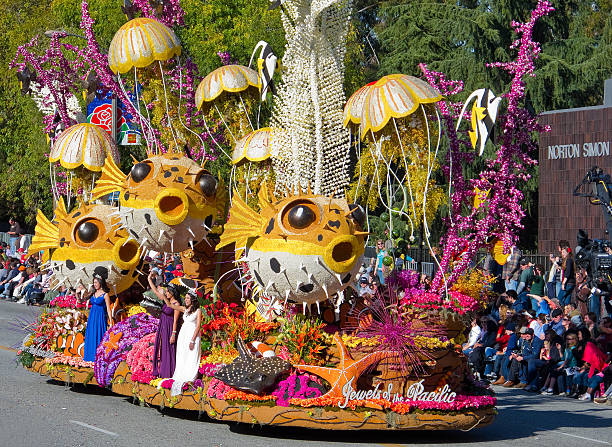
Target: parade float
x: 274, y: 258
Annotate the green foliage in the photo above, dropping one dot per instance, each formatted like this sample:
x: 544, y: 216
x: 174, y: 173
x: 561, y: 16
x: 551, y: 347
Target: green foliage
x: 26, y: 359
x: 23, y: 166
x: 233, y: 26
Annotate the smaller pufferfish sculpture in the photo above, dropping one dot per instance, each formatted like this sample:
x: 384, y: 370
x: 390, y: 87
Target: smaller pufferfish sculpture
x: 303, y: 248
x: 168, y: 203
x: 87, y: 242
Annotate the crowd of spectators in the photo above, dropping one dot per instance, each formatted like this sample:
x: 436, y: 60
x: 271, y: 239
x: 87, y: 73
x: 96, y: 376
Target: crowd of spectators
x: 549, y: 331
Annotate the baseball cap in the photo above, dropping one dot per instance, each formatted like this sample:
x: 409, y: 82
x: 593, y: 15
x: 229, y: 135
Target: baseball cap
x: 523, y: 261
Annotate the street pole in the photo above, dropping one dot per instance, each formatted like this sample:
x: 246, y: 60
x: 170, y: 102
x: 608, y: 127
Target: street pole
x: 114, y: 119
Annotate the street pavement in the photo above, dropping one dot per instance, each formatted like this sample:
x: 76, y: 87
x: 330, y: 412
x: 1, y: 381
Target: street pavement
x: 35, y: 411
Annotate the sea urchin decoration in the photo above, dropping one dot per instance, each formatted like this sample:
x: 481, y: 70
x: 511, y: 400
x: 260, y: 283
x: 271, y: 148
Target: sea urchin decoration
x: 397, y: 330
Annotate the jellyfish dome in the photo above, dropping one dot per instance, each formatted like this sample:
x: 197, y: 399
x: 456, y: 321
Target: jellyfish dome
x: 140, y: 42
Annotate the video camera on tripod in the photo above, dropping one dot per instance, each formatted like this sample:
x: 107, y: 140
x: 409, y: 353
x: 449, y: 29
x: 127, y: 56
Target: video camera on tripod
x: 595, y: 255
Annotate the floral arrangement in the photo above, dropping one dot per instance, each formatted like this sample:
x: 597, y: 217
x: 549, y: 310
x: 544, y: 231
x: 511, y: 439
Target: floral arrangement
x: 43, y: 331
x: 218, y: 390
x: 501, y: 214
x: 69, y: 360
x: 406, y: 280
x: 475, y: 283
x: 67, y: 301
x: 455, y: 302
x: 303, y: 337
x: 209, y: 369
x: 134, y: 310
x: 118, y: 341
x: 69, y: 321
x: 221, y: 354
x: 461, y: 402
x: 140, y: 359
x: 297, y: 386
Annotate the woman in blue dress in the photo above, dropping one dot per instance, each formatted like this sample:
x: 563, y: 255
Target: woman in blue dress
x: 97, y: 319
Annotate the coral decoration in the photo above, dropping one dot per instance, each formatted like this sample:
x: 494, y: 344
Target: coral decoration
x: 110, y: 355
x: 302, y: 386
x: 140, y: 359
x: 348, y: 369
x: 396, y: 330
x: 502, y: 212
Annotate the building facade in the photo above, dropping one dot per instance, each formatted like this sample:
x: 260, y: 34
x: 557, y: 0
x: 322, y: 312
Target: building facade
x: 578, y: 140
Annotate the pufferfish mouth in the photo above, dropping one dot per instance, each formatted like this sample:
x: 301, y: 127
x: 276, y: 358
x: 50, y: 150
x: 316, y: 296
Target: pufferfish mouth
x: 342, y: 253
x: 171, y: 206
x: 126, y: 253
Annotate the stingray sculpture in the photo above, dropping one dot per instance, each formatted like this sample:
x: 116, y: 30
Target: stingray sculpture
x: 252, y: 374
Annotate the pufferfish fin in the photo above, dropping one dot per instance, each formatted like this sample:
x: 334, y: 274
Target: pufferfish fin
x: 242, y: 224
x: 221, y: 198
x: 60, y: 210
x: 264, y: 196
x: 46, y: 234
x: 112, y: 180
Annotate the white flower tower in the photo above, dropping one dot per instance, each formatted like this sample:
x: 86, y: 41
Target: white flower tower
x: 311, y: 145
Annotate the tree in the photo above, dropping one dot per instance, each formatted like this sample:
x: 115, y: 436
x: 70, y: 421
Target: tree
x: 24, y: 169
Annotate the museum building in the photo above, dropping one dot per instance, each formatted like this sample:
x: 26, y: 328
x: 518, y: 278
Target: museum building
x: 579, y: 139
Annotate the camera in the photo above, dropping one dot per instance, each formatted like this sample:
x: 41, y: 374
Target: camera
x: 592, y: 255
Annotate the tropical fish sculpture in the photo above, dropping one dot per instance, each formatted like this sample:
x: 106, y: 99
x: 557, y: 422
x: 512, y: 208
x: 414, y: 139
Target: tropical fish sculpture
x: 250, y: 373
x: 303, y: 248
x: 87, y: 242
x: 168, y: 203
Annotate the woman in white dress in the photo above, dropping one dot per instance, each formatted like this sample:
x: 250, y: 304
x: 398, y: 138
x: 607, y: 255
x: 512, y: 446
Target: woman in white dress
x: 188, y: 342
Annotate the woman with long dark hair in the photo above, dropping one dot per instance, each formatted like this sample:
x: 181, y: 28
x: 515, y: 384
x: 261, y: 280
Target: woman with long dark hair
x: 568, y: 274
x: 188, y: 342
x: 97, y: 321
x: 164, y: 352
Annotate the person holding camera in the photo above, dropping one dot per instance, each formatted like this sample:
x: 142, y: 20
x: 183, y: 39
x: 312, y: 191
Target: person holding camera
x: 512, y: 270
x: 523, y: 368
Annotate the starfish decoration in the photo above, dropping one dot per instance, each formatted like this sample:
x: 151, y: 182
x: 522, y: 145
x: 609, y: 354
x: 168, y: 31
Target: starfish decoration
x: 113, y: 342
x: 347, y: 370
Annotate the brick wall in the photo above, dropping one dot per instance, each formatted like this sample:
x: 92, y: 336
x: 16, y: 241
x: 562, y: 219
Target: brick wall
x: 560, y: 214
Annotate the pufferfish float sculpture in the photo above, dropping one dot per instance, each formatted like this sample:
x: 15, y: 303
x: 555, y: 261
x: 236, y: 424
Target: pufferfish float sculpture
x: 87, y: 242
x: 300, y: 249
x: 168, y: 203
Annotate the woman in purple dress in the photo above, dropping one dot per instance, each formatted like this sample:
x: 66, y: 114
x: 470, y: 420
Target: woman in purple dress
x: 164, y: 353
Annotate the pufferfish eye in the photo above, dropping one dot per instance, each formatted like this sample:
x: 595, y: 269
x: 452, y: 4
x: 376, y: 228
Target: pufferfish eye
x: 358, y: 214
x: 140, y: 171
x: 301, y: 216
x: 87, y: 232
x: 208, y: 185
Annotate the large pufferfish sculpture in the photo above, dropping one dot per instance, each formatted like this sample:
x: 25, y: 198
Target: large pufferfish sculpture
x: 301, y: 249
x: 87, y: 242
x: 168, y: 203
